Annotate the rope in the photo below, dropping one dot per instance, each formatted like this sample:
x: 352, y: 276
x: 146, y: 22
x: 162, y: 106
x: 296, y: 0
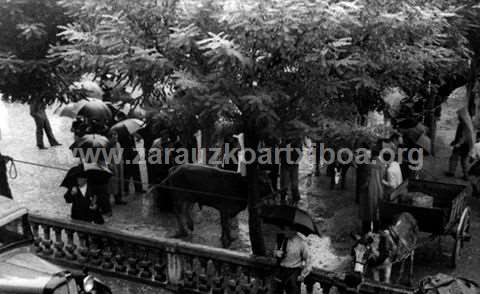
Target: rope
x: 151, y: 186
x: 12, y: 170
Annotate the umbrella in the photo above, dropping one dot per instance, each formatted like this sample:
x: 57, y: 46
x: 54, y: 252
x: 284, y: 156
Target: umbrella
x: 284, y: 215
x: 70, y: 179
x: 90, y: 141
x: 90, y: 108
x: 97, y: 173
x: 131, y: 124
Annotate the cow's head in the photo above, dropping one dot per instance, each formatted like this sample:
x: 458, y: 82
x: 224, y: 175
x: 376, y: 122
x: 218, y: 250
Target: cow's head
x: 365, y: 251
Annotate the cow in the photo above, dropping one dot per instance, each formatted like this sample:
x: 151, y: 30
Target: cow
x: 212, y: 184
x: 378, y: 251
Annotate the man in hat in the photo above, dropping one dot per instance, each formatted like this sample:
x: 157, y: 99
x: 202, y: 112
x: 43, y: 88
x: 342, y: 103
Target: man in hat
x: 294, y: 260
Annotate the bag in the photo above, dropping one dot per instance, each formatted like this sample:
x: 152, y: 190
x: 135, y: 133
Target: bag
x: 445, y: 284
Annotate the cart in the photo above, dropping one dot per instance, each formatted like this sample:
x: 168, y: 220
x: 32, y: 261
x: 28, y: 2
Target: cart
x: 449, y: 215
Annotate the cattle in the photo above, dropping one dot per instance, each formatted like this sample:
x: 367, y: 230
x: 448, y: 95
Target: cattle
x: 224, y: 190
x: 378, y: 251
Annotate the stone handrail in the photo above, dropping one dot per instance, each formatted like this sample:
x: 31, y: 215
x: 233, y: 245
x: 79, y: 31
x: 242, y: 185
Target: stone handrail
x: 169, y: 263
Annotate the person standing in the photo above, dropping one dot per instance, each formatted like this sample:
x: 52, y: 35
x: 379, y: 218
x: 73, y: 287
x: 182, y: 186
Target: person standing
x: 362, y: 157
x: 131, y: 168
x: 4, y: 187
x: 37, y: 111
x: 80, y: 195
x: 116, y: 181
x: 461, y: 149
x: 369, y: 202
x: 294, y: 260
x: 289, y: 166
x: 393, y: 173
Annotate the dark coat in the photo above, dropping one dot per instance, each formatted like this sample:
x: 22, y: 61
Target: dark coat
x: 81, y: 209
x: 4, y: 187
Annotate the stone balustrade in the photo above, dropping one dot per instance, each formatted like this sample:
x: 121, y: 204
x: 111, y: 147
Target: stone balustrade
x: 169, y: 263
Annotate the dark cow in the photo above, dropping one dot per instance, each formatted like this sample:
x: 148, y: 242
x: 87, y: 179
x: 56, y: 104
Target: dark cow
x: 378, y: 251
x: 206, y: 179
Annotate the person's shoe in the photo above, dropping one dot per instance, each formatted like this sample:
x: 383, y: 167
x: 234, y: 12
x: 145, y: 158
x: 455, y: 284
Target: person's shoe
x: 56, y: 144
x: 449, y: 174
x: 42, y: 147
x: 120, y: 202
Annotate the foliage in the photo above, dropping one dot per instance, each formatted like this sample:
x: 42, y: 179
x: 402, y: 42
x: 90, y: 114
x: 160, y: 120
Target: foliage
x: 27, y: 29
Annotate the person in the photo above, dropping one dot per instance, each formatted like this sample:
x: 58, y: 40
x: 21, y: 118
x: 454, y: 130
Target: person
x: 474, y: 170
x: 37, y: 111
x: 460, y: 150
x: 273, y: 168
x: 294, y: 262
x: 131, y: 168
x: 116, y: 181
x: 393, y: 174
x: 4, y: 187
x: 369, y: 202
x: 84, y: 202
x: 361, y: 170
x: 289, y: 166
x: 337, y: 171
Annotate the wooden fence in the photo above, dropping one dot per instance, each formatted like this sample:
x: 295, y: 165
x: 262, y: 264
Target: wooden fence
x: 169, y: 263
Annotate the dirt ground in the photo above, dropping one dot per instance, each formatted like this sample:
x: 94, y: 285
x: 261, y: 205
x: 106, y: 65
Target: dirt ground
x: 38, y: 188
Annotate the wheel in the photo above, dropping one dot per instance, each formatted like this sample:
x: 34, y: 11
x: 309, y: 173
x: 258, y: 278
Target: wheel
x: 461, y: 235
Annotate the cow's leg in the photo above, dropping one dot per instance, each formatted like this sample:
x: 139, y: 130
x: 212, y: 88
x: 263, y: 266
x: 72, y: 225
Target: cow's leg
x: 180, y: 211
x: 376, y: 274
x: 188, y: 215
x: 400, y: 273
x: 410, y: 272
x: 226, y: 241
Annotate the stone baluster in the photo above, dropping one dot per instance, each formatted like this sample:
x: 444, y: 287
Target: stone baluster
x: 94, y: 251
x: 217, y: 285
x: 145, y: 265
x: 189, y: 280
x: 70, y: 247
x: 36, y: 238
x: 132, y: 261
x: 174, y: 266
x: 231, y: 286
x: 59, y: 252
x: 107, y: 254
x: 159, y: 266
x: 83, y: 255
x: 120, y: 259
x: 203, y: 284
x: 47, y: 242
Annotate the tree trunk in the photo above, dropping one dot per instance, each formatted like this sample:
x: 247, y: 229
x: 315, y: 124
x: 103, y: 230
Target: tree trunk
x: 431, y: 122
x: 254, y: 222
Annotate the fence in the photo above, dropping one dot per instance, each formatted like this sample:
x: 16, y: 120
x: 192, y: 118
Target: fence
x: 168, y: 263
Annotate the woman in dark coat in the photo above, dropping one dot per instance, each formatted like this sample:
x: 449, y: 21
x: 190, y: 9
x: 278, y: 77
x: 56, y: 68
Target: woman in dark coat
x: 369, y: 201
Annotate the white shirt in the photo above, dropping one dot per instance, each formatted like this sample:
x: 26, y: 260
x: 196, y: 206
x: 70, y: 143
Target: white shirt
x: 83, y: 190
x: 394, y: 175
x: 297, y: 255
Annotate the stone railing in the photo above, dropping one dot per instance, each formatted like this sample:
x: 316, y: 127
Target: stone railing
x: 169, y: 263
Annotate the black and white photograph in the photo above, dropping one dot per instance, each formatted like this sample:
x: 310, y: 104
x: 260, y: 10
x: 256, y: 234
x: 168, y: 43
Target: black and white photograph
x: 240, y: 146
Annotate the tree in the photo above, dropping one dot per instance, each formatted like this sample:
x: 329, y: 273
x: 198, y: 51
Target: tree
x: 27, y: 29
x: 262, y: 64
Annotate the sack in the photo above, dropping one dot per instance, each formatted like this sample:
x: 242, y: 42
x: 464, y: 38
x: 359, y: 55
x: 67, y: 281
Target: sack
x: 445, y: 284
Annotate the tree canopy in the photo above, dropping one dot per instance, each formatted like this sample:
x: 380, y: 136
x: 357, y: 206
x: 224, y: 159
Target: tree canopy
x: 27, y: 30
